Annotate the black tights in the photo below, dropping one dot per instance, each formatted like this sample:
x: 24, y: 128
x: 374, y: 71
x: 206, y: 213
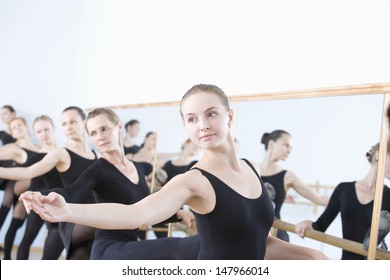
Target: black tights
x: 53, y: 243
x: 81, y: 243
x: 8, y: 200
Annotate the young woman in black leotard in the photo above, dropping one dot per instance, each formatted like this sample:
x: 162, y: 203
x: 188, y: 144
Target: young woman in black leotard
x: 7, y: 114
x: 53, y: 246
x: 70, y: 161
x: 232, y: 208
x: 20, y: 153
x: 278, y: 180
x: 132, y: 128
x: 44, y: 131
x: 354, y: 201
x: 113, y: 178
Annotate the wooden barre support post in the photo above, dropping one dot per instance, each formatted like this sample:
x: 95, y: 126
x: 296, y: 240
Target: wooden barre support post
x: 345, y: 244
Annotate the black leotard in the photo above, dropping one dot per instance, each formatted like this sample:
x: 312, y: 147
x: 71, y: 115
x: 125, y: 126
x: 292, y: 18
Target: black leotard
x: 78, y: 165
x: 173, y: 170
x: 53, y: 244
x: 355, y: 217
x: 6, y: 138
x: 237, y: 227
x: 131, y: 150
x: 276, y: 182
x: 108, y: 184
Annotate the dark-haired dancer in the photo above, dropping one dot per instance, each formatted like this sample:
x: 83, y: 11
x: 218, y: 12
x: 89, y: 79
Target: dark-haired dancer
x: 278, y: 180
x: 132, y: 128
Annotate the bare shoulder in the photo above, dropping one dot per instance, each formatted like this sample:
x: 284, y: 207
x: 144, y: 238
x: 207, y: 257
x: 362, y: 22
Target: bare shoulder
x: 10, y: 146
x: 59, y: 155
x: 59, y: 152
x: 291, y: 177
x: 192, y: 180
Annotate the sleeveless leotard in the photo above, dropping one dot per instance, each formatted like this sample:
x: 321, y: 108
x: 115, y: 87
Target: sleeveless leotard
x: 53, y: 244
x: 173, y: 170
x: 237, y: 227
x: 276, y: 183
x: 78, y: 165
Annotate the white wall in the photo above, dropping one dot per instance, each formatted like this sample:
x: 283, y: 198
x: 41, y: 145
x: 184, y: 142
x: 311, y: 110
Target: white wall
x: 94, y: 53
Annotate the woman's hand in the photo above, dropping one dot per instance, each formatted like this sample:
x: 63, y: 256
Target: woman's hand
x: 27, y: 198
x: 186, y: 217
x: 52, y: 208
x: 301, y: 227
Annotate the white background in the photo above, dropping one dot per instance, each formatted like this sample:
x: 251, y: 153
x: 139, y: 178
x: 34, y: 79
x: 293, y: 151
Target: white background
x: 96, y: 53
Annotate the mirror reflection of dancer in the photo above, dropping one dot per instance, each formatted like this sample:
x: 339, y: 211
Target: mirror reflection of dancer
x: 132, y: 129
x: 278, y: 180
x: 233, y: 211
x: 355, y: 201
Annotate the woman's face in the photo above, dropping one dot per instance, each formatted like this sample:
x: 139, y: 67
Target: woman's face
x: 150, y: 141
x: 104, y: 134
x: 206, y: 119
x: 133, y: 130
x: 6, y: 115
x: 72, y: 124
x: 18, y: 129
x: 282, y: 147
x: 44, y: 131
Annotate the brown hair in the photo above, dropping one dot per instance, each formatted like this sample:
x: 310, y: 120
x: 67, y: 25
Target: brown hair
x: 43, y: 118
x: 206, y: 88
x: 77, y: 109
x: 274, y: 136
x: 370, y: 155
x: 109, y: 113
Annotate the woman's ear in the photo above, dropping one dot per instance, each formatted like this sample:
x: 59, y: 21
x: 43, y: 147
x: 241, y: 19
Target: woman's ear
x: 230, y: 116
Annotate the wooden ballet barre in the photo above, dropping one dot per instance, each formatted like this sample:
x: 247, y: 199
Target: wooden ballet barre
x: 345, y: 244
x: 317, y: 187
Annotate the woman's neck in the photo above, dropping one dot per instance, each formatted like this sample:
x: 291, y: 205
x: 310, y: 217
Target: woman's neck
x: 25, y: 142
x: 116, y: 157
x: 78, y: 145
x: 268, y: 164
x: 48, y: 147
x: 368, y: 182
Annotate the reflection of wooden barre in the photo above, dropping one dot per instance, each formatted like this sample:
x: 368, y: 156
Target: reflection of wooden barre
x: 317, y: 187
x: 189, y: 231
x: 345, y: 244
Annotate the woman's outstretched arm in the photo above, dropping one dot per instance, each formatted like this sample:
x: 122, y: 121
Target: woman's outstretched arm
x: 151, y: 210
